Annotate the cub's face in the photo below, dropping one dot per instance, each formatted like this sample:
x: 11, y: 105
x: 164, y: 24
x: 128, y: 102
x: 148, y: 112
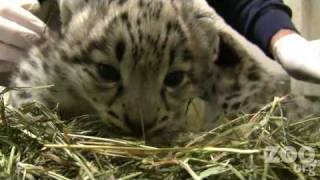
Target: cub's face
x: 137, y: 66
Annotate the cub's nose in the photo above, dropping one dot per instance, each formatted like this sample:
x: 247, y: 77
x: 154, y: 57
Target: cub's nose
x: 138, y: 126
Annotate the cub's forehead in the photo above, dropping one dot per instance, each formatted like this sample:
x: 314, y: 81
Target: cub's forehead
x: 143, y: 28
x: 97, y: 15
x: 157, y: 32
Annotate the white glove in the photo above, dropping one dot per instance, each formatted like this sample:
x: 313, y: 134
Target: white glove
x: 299, y: 57
x: 19, y: 29
x: 30, y: 5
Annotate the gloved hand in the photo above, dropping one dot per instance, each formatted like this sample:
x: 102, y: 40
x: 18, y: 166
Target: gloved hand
x: 299, y: 57
x: 19, y: 29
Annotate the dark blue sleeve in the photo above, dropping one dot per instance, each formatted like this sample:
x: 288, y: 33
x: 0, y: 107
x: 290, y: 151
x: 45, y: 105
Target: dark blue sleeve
x: 257, y: 20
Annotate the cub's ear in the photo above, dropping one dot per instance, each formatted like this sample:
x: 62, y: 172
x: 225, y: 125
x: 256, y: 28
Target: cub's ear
x: 68, y: 8
x: 204, y: 34
x: 236, y: 61
x: 230, y: 40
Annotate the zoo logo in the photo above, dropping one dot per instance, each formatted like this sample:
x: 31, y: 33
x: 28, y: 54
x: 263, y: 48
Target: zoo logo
x: 289, y: 154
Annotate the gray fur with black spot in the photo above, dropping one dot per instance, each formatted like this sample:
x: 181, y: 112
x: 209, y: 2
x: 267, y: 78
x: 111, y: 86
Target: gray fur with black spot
x: 139, y: 43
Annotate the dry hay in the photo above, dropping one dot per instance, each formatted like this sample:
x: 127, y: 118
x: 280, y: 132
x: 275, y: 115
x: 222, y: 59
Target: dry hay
x: 41, y: 146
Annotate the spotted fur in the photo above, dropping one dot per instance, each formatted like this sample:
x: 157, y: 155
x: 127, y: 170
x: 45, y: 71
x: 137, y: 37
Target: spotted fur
x: 138, y: 64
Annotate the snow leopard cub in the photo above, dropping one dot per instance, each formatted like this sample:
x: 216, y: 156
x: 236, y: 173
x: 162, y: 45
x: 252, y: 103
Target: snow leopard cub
x: 135, y: 63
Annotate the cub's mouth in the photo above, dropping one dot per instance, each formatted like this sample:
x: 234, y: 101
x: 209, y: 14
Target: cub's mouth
x: 95, y: 125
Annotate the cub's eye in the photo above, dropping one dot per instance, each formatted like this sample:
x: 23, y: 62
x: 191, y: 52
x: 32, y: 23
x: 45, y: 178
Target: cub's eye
x: 109, y: 73
x: 174, y: 79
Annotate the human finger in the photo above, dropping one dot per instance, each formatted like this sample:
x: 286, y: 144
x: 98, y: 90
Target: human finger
x: 22, y: 17
x: 30, y: 5
x: 15, y: 34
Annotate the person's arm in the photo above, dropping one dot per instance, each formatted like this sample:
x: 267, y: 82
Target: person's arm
x: 257, y: 20
x: 267, y: 23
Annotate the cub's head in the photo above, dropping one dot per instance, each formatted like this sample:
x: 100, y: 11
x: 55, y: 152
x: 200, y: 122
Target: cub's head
x: 139, y: 62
